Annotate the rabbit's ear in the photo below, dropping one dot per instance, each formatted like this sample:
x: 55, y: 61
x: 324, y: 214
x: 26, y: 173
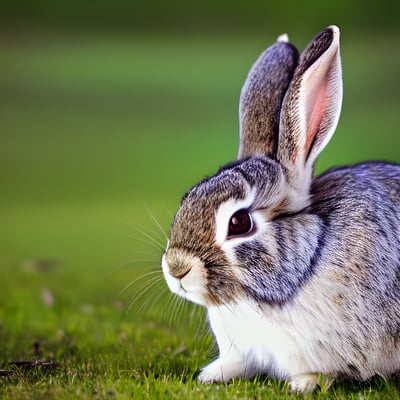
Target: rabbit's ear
x: 261, y: 98
x: 311, y: 108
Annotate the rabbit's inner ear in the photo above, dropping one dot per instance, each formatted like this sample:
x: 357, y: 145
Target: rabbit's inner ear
x: 315, y: 113
x: 321, y: 103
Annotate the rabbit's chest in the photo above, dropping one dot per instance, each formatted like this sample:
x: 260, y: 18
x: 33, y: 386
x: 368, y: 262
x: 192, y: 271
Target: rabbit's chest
x: 266, y: 345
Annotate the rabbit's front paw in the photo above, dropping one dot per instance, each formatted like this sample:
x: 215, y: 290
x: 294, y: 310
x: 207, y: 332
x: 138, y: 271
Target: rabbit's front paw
x: 212, y: 373
x: 303, y: 383
x: 221, y: 370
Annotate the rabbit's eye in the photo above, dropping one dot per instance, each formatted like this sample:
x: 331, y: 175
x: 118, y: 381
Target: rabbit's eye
x: 240, y: 224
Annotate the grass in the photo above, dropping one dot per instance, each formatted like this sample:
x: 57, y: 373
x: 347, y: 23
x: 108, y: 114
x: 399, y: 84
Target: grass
x: 97, y: 131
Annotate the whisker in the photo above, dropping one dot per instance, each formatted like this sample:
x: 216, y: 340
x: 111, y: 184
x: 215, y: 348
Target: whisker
x: 127, y: 263
x: 202, y: 328
x: 151, y: 239
x: 182, y: 311
x: 154, y: 257
x: 141, y: 277
x: 178, y: 304
x: 140, y: 260
x: 149, y: 242
x: 147, y: 258
x: 170, y: 305
x: 156, y: 276
x: 157, y: 223
x: 143, y: 291
x: 161, y: 293
x: 168, y: 211
x: 152, y: 301
x: 228, y: 334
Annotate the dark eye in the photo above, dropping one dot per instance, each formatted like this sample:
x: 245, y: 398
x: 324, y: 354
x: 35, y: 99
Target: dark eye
x: 240, y: 223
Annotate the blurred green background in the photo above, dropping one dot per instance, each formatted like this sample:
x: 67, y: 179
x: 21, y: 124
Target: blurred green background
x: 111, y: 109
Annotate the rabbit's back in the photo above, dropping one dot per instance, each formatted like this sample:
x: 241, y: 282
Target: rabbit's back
x: 359, y: 209
x: 357, y: 281
x: 363, y: 199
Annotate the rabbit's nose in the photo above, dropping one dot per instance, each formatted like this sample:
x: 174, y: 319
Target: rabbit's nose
x: 183, y: 274
x: 179, y: 269
x: 180, y: 262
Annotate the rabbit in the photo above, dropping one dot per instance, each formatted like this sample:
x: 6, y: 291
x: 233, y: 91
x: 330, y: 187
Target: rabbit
x: 300, y: 275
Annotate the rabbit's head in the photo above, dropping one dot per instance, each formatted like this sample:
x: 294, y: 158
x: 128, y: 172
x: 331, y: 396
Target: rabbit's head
x: 225, y: 242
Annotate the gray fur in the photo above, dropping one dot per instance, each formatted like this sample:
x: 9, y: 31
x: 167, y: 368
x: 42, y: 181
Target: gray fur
x: 261, y: 99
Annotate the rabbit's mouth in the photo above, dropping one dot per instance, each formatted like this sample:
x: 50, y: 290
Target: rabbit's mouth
x: 185, y: 276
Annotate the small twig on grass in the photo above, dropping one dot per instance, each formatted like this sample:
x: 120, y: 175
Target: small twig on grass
x: 46, y: 366
x: 6, y: 372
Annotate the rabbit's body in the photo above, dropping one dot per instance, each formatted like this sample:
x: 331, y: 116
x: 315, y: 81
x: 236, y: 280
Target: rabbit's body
x: 300, y: 275
x: 332, y: 325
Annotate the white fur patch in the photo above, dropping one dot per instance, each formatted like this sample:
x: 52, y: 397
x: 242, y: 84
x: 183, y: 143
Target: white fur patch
x: 284, y: 38
x: 252, y: 342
